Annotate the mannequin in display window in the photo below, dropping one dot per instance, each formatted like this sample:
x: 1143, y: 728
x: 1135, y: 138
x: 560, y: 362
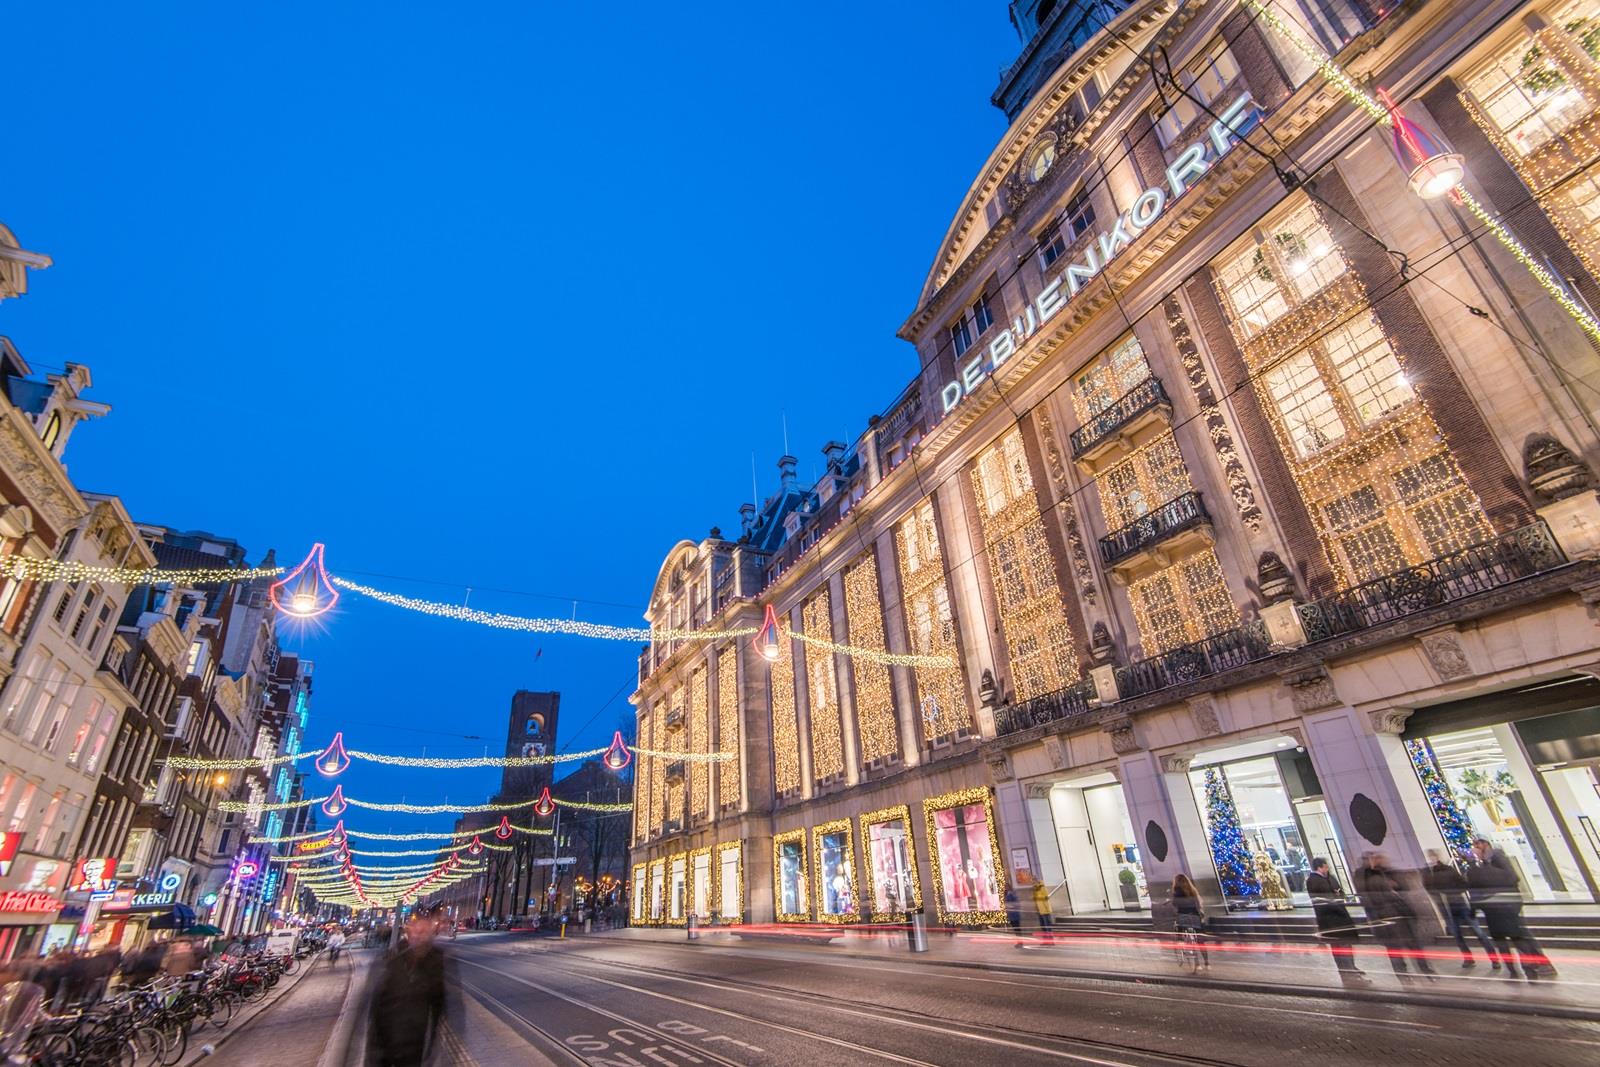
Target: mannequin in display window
x: 1274, y: 892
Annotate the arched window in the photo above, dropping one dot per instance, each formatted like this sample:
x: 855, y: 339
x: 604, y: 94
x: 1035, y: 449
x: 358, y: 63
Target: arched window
x: 52, y: 430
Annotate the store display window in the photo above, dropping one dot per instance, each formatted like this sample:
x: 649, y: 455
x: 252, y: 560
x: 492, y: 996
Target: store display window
x: 893, y: 887
x: 658, y: 889
x: 730, y: 888
x: 700, y: 884
x: 789, y: 876
x: 640, y: 881
x: 678, y: 885
x: 838, y: 898
x: 967, y: 877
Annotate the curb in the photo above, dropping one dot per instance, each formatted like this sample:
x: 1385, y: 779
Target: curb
x: 1369, y: 996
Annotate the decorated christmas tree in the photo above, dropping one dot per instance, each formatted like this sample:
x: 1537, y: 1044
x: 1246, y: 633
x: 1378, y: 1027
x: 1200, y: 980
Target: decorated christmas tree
x: 1453, y: 821
x: 1228, y: 851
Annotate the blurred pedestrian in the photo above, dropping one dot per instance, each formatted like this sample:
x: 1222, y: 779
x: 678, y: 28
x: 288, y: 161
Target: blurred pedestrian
x: 1041, y: 904
x: 1494, y: 887
x: 335, y: 943
x: 1394, y: 920
x: 1013, y: 911
x: 409, y: 999
x: 1334, y: 924
x: 143, y: 964
x: 1448, y: 887
x: 1190, y: 914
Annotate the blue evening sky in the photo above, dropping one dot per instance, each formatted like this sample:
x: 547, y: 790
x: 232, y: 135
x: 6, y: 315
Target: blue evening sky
x: 499, y: 295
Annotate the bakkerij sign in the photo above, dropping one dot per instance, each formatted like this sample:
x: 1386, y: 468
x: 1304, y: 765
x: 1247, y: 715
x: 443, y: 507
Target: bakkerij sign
x: 1190, y: 166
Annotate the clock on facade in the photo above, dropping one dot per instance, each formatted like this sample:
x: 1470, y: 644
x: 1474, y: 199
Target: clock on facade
x: 1042, y: 158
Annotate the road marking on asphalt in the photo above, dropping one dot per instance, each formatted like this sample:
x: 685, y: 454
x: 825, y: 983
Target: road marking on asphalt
x: 876, y: 1016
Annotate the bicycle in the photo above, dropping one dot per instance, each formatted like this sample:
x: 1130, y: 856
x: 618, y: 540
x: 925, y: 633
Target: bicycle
x: 1187, y: 945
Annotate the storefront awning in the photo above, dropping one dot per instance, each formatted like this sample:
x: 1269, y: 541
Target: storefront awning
x: 177, y: 917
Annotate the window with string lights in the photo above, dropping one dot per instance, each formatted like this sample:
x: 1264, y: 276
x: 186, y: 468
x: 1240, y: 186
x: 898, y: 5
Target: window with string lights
x: 941, y: 692
x: 877, y: 728
x: 1033, y: 617
x: 1369, y: 460
x: 822, y: 692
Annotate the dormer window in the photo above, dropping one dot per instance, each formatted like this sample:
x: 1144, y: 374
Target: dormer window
x: 52, y: 430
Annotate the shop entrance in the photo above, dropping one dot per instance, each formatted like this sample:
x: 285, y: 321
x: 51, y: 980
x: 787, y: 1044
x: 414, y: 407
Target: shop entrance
x: 1265, y: 820
x: 1520, y: 769
x: 1098, y: 849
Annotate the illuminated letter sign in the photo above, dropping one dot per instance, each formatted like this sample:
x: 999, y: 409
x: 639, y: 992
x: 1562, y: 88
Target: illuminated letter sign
x: 19, y: 900
x: 1190, y: 166
x: 9, y: 843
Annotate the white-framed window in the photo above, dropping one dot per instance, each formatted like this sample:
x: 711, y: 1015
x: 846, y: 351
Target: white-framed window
x: 1368, y: 371
x: 1075, y: 220
x: 1310, y: 417
x: 1203, y: 80
x: 1109, y: 378
x: 970, y: 325
x: 1526, y: 92
x: 1290, y: 262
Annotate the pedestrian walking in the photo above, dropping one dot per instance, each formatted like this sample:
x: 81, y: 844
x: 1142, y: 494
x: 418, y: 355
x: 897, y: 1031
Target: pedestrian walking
x: 1041, y: 904
x: 1394, y: 921
x: 1448, y: 887
x: 1013, y: 911
x: 1190, y: 914
x: 1334, y: 924
x: 1494, y: 888
x: 408, y: 1002
x: 335, y: 943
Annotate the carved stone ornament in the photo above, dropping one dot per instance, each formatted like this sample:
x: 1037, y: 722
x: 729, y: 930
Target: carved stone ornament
x: 1102, y: 649
x: 1039, y: 790
x: 1273, y: 578
x: 1553, y: 471
x: 1055, y: 750
x: 1000, y: 768
x: 1122, y: 739
x: 1389, y: 720
x: 1176, y: 763
x: 1311, y: 690
x: 1445, y: 654
x: 1203, y: 710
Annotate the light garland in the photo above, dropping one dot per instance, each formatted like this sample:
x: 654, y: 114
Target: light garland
x: 796, y: 838
x: 837, y: 828
x: 413, y: 809
x: 873, y: 655
x: 193, y: 763
x: 1244, y: 498
x: 686, y: 757
x: 785, y: 728
x: 899, y: 813
x: 29, y: 568
x: 188, y: 763
x: 445, y: 763
x: 1375, y: 108
x: 737, y: 915
x: 248, y: 806
x: 925, y: 605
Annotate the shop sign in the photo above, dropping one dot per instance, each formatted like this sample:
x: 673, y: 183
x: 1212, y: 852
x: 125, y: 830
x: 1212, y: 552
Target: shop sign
x: 10, y: 841
x: 95, y: 874
x: 314, y: 846
x: 124, y: 899
x: 1190, y: 166
x: 20, y: 901
x: 170, y: 882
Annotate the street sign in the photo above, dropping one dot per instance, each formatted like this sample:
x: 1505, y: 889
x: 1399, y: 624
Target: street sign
x: 559, y: 861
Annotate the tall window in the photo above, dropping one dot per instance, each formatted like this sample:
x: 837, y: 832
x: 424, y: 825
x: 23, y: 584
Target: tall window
x: 1183, y: 603
x: 876, y: 724
x: 1109, y: 378
x: 1075, y: 220
x: 1203, y: 81
x: 822, y: 690
x: 1032, y: 613
x: 1285, y: 265
x: 941, y: 691
x: 966, y: 330
x: 1143, y: 482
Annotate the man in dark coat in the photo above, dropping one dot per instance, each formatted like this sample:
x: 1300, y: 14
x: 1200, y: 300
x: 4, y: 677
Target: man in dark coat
x: 408, y: 1001
x: 1333, y: 920
x: 1493, y: 887
x: 1394, y: 921
x: 1448, y: 887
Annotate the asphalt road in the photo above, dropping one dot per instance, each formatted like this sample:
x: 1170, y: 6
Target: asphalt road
x: 630, y: 1004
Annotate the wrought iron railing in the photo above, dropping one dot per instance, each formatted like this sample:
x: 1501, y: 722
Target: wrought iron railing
x: 1141, y: 398
x: 1217, y: 653
x: 1478, y: 568
x: 1173, y: 517
x: 1050, y: 707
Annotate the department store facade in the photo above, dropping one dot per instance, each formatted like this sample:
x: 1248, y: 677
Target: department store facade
x: 1242, y: 511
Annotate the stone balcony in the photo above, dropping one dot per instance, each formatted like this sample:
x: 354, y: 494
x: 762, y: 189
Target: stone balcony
x: 1142, y: 414
x: 1157, y: 539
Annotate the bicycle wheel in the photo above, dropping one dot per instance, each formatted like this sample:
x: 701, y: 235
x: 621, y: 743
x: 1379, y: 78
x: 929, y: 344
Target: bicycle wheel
x: 290, y: 964
x: 53, y: 1050
x: 150, y: 1047
x: 222, y: 1008
x: 177, y: 1042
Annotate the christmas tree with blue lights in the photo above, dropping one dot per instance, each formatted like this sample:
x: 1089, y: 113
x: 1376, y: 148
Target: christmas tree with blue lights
x: 1452, y: 820
x: 1234, y: 867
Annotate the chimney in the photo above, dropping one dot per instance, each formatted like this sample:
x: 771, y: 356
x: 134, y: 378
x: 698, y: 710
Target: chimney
x: 747, y: 519
x: 834, y: 450
x: 786, y: 472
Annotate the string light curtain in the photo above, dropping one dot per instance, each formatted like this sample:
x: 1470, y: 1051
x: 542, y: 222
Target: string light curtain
x: 925, y: 600
x: 822, y: 692
x: 876, y: 724
x: 699, y: 735
x: 728, y: 785
x: 785, y: 725
x: 1033, y: 617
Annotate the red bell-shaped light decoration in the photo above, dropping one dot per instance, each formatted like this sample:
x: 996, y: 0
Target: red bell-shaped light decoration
x: 306, y: 591
x: 337, y: 836
x: 503, y: 831
x: 476, y: 848
x: 1432, y: 170
x: 617, y: 756
x: 455, y: 861
x: 767, y: 637
x: 333, y: 760
x: 335, y: 805
x: 544, y: 805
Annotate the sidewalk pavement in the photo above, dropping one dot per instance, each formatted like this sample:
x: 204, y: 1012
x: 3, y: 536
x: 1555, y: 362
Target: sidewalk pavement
x: 1284, y: 968
x: 303, y: 1031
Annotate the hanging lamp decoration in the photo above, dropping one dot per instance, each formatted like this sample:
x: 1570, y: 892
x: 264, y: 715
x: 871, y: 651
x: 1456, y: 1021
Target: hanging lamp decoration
x: 335, y: 805
x: 503, y: 831
x: 767, y: 637
x: 617, y: 756
x: 306, y: 591
x: 334, y: 760
x: 476, y: 848
x: 1431, y: 168
x: 338, y: 835
x: 544, y: 805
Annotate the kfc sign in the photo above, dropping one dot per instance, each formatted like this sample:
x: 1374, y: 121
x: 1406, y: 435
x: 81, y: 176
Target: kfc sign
x: 95, y: 875
x: 15, y: 900
x: 9, y: 843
